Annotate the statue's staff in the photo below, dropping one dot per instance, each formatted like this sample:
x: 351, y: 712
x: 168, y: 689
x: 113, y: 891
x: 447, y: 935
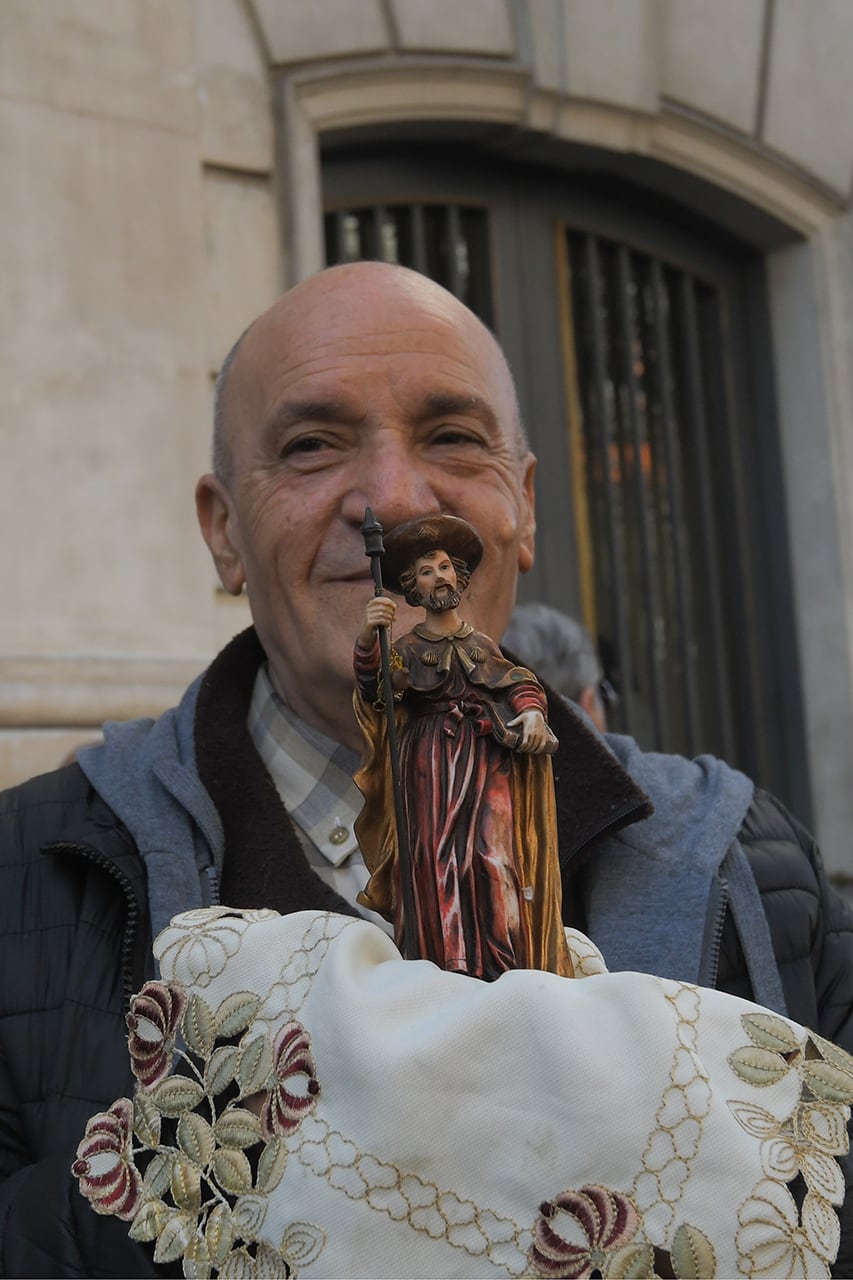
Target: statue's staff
x: 375, y: 548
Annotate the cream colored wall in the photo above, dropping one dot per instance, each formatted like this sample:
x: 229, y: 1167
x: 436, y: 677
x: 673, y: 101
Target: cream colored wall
x: 130, y: 260
x: 152, y: 206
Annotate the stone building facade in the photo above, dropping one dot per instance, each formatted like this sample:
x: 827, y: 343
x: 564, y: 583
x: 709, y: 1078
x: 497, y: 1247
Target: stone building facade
x: 163, y: 166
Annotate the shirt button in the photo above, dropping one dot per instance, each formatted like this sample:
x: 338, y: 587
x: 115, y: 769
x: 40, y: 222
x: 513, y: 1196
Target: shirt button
x: 339, y: 835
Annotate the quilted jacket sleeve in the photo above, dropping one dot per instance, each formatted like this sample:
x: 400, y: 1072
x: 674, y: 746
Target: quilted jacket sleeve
x: 63, y: 1057
x: 48, y: 1229
x: 811, y: 927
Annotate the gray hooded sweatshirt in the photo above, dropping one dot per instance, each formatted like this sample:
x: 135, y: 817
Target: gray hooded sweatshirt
x: 656, y: 891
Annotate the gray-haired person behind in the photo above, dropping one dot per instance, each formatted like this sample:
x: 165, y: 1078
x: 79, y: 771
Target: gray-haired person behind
x: 562, y: 653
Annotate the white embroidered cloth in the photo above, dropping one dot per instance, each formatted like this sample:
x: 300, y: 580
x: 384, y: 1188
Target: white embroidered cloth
x: 419, y: 1123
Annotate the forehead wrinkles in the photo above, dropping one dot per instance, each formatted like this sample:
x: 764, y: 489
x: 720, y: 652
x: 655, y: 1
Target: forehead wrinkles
x: 283, y: 349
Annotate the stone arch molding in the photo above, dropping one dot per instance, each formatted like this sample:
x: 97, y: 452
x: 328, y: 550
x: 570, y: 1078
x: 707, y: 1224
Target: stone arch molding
x: 314, y: 103
x: 750, y: 95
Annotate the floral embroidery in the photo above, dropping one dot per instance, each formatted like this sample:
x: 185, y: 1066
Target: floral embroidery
x: 154, y: 1016
x: 294, y: 1093
x: 773, y: 1242
x: 104, y: 1165
x: 206, y: 939
x: 174, y: 1163
x: 775, y: 1238
x: 576, y: 1231
x: 597, y: 1231
x: 227, y: 1122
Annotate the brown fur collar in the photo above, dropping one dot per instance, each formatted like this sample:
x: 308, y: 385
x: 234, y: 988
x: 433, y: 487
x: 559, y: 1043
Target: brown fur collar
x: 264, y: 861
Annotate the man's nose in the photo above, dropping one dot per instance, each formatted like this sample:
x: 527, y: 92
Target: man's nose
x: 391, y: 480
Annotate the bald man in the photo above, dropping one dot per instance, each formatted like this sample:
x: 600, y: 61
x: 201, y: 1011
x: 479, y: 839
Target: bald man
x: 366, y: 384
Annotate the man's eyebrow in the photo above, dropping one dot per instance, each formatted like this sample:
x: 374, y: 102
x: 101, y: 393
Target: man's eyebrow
x: 436, y: 404
x: 291, y: 412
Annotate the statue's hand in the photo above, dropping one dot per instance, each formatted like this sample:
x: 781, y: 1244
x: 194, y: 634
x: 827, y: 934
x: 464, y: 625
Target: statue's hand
x: 380, y: 612
x: 536, y: 735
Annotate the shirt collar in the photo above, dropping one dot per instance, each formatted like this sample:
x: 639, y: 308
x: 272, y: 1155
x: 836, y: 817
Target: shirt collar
x: 312, y: 773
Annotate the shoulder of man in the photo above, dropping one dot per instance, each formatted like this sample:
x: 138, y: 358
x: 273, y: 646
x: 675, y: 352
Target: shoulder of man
x: 811, y: 924
x: 49, y: 799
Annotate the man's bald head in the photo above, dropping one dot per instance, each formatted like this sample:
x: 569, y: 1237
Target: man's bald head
x: 366, y: 385
x: 325, y: 288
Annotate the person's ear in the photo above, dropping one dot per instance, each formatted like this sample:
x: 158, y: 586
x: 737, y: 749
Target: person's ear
x: 217, y: 521
x: 526, y: 547
x: 589, y: 699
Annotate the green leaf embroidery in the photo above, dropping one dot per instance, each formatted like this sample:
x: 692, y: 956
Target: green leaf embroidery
x: 757, y: 1066
x: 693, y: 1256
x: 221, y: 1068
x: 271, y: 1166
x: 239, y: 1265
x: 146, y: 1120
x: 255, y: 1065
x: 235, y: 1013
x: 158, y: 1175
x: 232, y: 1171
x: 771, y: 1032
x: 197, y: 1261
x: 195, y: 1138
x: 832, y: 1053
x: 219, y: 1234
x: 174, y: 1238
x: 237, y: 1128
x: 631, y: 1262
x: 150, y: 1220
x: 829, y: 1082
x: 198, y: 1026
x: 186, y: 1185
x: 271, y: 1265
x: 177, y: 1094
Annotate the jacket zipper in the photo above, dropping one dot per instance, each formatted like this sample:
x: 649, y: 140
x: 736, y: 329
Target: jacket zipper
x: 101, y: 860
x: 709, y: 962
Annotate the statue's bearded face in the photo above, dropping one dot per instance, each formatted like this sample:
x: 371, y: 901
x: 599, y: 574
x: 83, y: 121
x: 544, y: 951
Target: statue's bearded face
x: 436, y: 582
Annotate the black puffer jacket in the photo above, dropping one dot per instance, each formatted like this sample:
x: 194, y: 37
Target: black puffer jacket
x: 76, y: 943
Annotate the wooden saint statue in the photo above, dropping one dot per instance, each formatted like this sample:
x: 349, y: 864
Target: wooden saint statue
x: 474, y: 760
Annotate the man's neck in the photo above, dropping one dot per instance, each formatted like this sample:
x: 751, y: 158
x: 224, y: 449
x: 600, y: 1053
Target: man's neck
x: 324, y: 706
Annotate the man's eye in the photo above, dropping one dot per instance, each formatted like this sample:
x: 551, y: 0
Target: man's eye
x: 305, y: 444
x: 456, y: 436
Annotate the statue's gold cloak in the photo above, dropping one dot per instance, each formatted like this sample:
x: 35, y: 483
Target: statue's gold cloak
x: 426, y: 663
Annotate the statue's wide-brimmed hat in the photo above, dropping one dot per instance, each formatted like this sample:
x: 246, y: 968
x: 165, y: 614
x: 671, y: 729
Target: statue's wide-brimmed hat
x: 416, y: 537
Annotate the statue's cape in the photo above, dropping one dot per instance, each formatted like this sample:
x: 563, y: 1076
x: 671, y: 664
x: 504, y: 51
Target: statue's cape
x: 534, y: 811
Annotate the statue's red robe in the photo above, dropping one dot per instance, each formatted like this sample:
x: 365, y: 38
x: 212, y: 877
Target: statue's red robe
x: 479, y: 814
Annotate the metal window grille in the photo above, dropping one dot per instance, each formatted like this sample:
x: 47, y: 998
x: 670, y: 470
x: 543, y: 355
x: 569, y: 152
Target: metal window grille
x: 651, y: 439
x: 448, y: 242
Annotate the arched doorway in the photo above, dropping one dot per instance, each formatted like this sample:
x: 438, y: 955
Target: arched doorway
x: 637, y: 332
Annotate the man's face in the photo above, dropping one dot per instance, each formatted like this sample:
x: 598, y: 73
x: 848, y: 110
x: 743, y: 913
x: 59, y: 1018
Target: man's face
x: 367, y: 385
x: 436, y: 582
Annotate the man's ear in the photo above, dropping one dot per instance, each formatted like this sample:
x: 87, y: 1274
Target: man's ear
x: 589, y: 699
x: 526, y: 548
x: 217, y: 522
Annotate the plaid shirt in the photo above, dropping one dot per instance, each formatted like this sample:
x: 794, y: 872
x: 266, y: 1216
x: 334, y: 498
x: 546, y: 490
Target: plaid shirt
x: 313, y: 776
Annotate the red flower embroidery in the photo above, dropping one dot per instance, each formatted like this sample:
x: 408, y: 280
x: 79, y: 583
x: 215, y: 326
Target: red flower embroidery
x: 598, y: 1220
x: 296, y: 1087
x: 104, y: 1165
x: 154, y: 1015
